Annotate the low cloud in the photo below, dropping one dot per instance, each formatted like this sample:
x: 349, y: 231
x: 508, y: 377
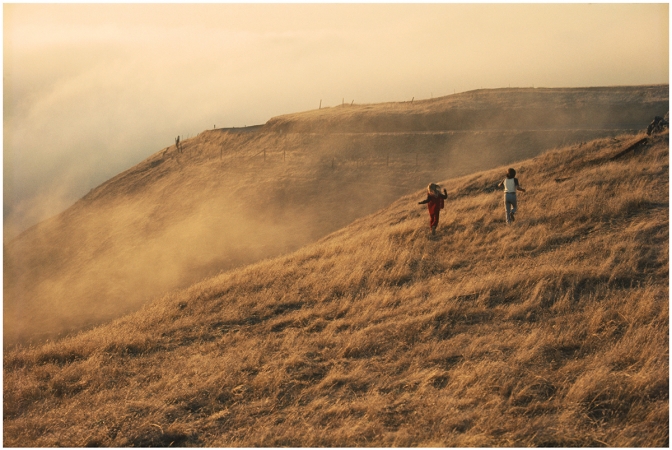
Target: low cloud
x: 91, y: 90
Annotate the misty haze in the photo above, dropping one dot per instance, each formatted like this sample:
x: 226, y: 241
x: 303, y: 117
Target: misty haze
x: 214, y: 233
x: 93, y: 89
x: 229, y: 197
x: 548, y: 332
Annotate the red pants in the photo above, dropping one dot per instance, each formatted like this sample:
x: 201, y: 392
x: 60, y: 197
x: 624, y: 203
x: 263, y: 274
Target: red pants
x: 433, y: 219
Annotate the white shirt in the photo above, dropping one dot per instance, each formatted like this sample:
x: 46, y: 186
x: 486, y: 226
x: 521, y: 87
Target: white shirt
x: 510, y: 185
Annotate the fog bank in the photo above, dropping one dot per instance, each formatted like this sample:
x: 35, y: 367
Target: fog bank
x: 90, y: 90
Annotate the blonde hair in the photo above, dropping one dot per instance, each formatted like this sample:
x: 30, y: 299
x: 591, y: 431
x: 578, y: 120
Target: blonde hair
x: 433, y: 189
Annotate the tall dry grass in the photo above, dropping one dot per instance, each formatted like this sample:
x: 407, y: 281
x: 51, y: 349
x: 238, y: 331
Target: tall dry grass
x: 550, y: 332
x: 233, y: 197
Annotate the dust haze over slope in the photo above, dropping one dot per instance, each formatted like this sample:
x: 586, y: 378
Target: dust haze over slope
x: 552, y: 332
x: 235, y: 196
x: 91, y: 90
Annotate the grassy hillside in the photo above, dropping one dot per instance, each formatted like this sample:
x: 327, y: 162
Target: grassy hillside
x: 513, y: 109
x: 235, y: 196
x: 549, y: 332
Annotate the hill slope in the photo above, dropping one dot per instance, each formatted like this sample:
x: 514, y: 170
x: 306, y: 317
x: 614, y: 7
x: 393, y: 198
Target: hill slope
x: 235, y: 196
x: 550, y: 332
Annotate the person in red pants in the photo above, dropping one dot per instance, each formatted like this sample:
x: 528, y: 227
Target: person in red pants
x: 434, y: 203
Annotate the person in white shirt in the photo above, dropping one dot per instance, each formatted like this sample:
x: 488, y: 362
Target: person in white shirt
x: 511, y: 185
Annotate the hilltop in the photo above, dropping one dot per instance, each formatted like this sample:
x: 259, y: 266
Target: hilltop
x: 231, y: 197
x: 572, y: 110
x: 550, y: 332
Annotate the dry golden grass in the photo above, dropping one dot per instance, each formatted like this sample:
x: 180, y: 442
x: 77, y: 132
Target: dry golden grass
x: 550, y: 332
x: 513, y: 109
x: 234, y: 197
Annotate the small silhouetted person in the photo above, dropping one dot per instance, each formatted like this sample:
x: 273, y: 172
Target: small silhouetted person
x: 511, y: 185
x: 177, y: 144
x: 434, y: 203
x: 657, y: 125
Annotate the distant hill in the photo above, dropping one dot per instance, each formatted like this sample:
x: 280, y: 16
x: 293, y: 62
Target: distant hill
x: 551, y: 332
x: 231, y: 197
x: 513, y: 109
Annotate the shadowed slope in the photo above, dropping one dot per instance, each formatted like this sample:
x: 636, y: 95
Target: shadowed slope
x: 551, y: 332
x: 235, y: 196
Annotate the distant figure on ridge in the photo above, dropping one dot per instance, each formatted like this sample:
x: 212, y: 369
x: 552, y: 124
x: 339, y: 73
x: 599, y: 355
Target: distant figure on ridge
x: 657, y: 126
x: 434, y: 203
x: 511, y: 185
x: 177, y: 144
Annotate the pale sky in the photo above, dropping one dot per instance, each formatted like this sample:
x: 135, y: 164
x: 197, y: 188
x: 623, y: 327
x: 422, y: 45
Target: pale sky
x: 91, y: 89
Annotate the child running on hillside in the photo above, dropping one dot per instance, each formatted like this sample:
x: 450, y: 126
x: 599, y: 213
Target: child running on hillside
x: 511, y: 185
x: 434, y: 203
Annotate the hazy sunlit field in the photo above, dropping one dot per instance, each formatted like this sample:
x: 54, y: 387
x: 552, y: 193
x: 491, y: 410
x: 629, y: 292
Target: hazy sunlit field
x: 549, y: 332
x: 232, y: 197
